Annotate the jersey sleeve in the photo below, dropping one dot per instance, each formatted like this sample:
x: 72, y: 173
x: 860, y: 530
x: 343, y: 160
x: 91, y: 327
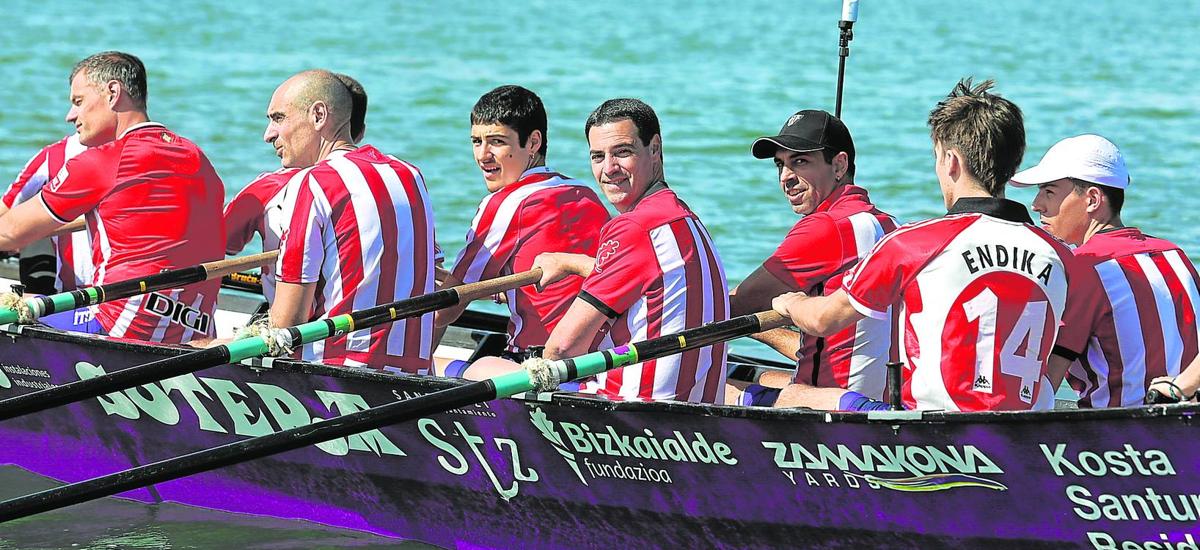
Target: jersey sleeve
x: 301, y: 247
x: 1084, y: 308
x: 878, y: 280
x: 489, y: 246
x: 81, y: 184
x: 626, y: 265
x: 810, y: 254
x: 243, y: 218
x: 28, y: 182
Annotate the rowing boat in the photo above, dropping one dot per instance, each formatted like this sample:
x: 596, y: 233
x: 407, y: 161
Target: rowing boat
x: 558, y: 470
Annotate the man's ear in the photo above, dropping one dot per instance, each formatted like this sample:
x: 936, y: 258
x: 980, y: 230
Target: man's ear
x: 1093, y: 197
x: 656, y: 145
x: 318, y: 114
x: 533, y: 141
x: 115, y: 92
x: 841, y: 165
x: 954, y: 163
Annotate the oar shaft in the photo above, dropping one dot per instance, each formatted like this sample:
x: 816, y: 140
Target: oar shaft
x: 247, y: 449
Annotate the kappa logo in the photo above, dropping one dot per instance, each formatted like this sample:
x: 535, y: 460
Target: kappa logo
x: 795, y: 118
x: 605, y: 252
x: 982, y: 384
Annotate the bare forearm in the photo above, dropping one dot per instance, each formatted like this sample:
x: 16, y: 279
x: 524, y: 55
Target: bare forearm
x: 782, y: 340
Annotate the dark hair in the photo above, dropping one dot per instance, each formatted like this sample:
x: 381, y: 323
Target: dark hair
x: 515, y: 107
x: 1114, y: 196
x: 635, y: 110
x: 120, y: 66
x: 358, y: 108
x: 985, y: 128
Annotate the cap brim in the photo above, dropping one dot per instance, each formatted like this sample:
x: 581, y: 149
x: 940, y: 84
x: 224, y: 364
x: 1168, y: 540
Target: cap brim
x: 1035, y: 176
x: 765, y: 147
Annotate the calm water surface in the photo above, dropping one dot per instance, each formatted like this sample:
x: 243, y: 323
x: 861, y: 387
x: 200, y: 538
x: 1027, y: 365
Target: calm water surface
x: 718, y: 73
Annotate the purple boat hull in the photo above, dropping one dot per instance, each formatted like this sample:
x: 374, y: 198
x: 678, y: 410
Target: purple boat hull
x: 571, y: 471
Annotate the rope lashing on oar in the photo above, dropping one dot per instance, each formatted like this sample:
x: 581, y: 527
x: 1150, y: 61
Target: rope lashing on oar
x: 40, y: 306
x: 279, y: 343
x: 276, y: 341
x: 14, y: 302
x: 391, y: 413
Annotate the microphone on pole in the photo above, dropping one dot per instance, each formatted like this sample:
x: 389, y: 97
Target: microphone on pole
x: 849, y: 16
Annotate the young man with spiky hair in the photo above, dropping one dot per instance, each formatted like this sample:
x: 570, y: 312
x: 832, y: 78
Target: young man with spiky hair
x: 529, y: 209
x: 151, y: 199
x: 980, y: 292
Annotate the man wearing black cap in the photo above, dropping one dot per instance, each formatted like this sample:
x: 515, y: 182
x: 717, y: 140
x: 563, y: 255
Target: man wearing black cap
x: 814, y: 155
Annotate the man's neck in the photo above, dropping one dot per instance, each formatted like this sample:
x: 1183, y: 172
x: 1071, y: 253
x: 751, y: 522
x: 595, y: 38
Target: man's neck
x: 966, y: 188
x: 341, y: 143
x: 1095, y: 226
x: 129, y: 119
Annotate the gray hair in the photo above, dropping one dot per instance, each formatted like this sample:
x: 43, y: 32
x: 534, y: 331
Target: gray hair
x: 120, y: 66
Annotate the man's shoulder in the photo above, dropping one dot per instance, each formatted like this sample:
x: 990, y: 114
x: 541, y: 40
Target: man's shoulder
x: 1123, y: 242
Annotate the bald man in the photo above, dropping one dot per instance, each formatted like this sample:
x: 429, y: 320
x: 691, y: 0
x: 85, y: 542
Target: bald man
x: 359, y: 229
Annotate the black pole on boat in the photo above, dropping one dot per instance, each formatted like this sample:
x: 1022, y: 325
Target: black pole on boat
x: 895, y: 379
x: 37, y: 306
x: 275, y: 342
x: 846, y: 34
x: 538, y: 374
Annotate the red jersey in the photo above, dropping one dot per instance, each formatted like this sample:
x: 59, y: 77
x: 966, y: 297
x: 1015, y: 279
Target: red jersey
x: 73, y: 253
x: 258, y: 209
x: 657, y: 273
x: 1138, y: 321
x: 981, y: 294
x: 813, y: 258
x: 542, y: 212
x: 362, y: 229
x: 152, y: 202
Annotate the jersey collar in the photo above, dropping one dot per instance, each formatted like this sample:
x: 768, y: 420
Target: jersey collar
x: 991, y: 206
x: 139, y: 126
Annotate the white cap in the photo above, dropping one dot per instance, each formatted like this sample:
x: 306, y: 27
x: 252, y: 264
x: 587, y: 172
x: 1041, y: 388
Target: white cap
x: 1089, y: 157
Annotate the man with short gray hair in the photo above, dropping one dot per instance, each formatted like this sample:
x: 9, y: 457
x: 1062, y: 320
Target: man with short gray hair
x: 151, y: 199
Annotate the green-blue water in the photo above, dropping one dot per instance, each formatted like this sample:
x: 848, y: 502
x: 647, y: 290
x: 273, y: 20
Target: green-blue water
x: 719, y: 74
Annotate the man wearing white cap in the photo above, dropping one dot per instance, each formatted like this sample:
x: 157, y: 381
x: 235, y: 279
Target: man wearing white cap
x: 1139, y: 307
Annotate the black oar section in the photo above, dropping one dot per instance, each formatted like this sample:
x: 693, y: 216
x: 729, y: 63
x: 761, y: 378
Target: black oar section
x: 543, y: 376
x: 258, y: 346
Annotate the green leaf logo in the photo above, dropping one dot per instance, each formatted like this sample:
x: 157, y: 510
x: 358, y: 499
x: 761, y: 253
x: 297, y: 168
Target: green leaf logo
x: 546, y: 427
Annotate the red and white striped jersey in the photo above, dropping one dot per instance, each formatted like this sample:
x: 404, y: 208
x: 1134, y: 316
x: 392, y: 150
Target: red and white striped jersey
x: 657, y: 273
x: 258, y: 209
x: 152, y: 202
x: 73, y: 253
x: 362, y: 230
x: 543, y: 211
x: 981, y: 294
x: 1138, y: 318
x: 813, y: 258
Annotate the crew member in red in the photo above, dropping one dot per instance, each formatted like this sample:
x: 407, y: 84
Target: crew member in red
x: 258, y: 208
x: 656, y: 271
x: 530, y: 209
x: 67, y: 264
x: 814, y: 155
x: 151, y: 199
x: 1139, y: 300
x: 980, y: 292
x: 360, y: 232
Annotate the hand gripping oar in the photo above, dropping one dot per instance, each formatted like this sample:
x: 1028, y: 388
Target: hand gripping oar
x: 277, y: 340
x: 538, y: 374
x: 39, y: 306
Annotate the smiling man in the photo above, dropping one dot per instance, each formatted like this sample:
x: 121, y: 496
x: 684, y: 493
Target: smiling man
x: 656, y: 271
x: 814, y: 157
x: 1140, y: 299
x: 151, y: 199
x: 530, y: 209
x: 359, y: 230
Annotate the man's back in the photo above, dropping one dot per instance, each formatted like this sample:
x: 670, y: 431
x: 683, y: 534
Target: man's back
x: 362, y: 230
x: 258, y: 209
x: 656, y: 273
x: 980, y: 298
x: 1141, y: 316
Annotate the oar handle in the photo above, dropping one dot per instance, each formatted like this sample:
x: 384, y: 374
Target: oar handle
x: 222, y: 268
x: 482, y: 289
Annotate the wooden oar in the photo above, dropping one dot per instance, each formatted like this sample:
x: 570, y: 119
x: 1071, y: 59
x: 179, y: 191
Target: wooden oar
x: 258, y: 346
x: 548, y: 376
x: 66, y: 301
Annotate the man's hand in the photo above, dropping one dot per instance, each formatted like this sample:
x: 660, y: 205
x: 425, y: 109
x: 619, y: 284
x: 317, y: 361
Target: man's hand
x: 557, y: 266
x: 784, y: 302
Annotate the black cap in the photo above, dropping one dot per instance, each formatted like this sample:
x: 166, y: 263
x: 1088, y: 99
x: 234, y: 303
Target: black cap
x: 808, y: 130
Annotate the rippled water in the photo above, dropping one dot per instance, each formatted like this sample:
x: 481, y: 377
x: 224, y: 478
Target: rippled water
x: 718, y: 73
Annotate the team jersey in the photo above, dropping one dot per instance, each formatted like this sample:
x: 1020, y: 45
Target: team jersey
x: 543, y: 211
x: 1138, y: 321
x: 258, y: 209
x: 814, y: 258
x: 362, y: 229
x: 73, y: 253
x: 152, y: 202
x: 657, y: 273
x: 980, y: 292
